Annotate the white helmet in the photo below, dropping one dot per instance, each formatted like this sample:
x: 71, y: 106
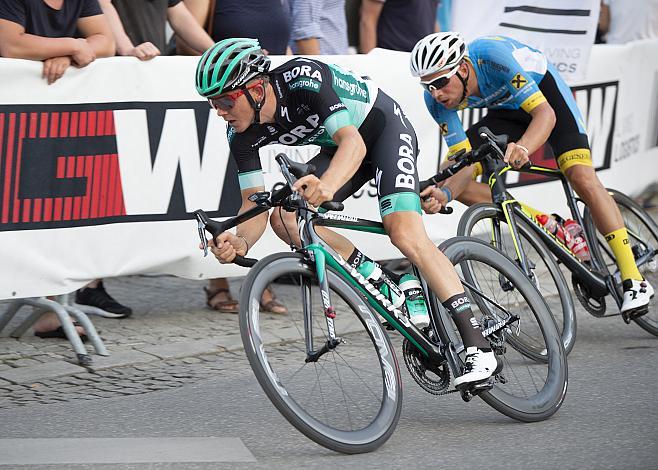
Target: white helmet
x: 437, y: 52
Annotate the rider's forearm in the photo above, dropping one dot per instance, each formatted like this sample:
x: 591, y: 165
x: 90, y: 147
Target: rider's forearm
x: 457, y: 183
x: 347, y: 159
x: 540, y: 128
x: 252, y: 229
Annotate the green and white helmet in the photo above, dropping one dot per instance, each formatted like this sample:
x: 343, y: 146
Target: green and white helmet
x: 229, y: 65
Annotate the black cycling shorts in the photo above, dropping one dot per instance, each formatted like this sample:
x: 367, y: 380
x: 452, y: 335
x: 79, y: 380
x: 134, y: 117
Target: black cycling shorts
x: 392, y: 150
x: 567, y: 143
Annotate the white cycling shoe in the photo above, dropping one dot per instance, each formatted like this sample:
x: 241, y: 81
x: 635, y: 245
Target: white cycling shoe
x: 480, y: 365
x: 637, y: 295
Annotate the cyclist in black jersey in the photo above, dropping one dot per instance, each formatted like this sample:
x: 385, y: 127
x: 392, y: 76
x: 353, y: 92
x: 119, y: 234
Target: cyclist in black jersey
x: 363, y: 134
x: 527, y: 99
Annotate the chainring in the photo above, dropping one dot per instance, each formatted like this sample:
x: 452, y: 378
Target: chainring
x: 594, y: 305
x: 434, y: 380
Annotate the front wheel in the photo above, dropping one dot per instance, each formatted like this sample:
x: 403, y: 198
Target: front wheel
x: 350, y: 399
x: 487, y: 222
x: 525, y: 389
x: 643, y: 238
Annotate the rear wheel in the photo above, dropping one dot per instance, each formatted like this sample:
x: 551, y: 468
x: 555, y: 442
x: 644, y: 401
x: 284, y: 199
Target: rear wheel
x: 350, y: 399
x: 643, y: 237
x: 479, y: 221
x: 527, y: 389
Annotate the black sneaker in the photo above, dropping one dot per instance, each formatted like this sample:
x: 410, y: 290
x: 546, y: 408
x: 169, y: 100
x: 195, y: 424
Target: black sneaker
x: 99, y: 298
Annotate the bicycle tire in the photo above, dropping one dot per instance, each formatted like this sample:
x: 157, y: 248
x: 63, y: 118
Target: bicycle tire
x: 277, y: 381
x: 548, y: 398
x: 566, y: 324
x: 640, y: 225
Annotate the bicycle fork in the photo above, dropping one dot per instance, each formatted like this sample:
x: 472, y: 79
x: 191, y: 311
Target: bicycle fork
x: 318, y: 257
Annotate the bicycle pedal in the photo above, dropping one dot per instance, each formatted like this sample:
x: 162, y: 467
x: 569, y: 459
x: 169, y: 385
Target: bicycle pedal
x: 473, y: 389
x: 500, y: 378
x: 465, y: 393
x: 483, y: 386
x: 631, y: 315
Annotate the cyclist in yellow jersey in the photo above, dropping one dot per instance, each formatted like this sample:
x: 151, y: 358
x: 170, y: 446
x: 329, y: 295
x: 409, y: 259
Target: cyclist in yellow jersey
x: 527, y: 99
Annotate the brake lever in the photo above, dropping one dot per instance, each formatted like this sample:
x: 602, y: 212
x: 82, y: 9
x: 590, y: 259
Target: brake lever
x: 484, y: 134
x: 201, y: 226
x: 214, y: 229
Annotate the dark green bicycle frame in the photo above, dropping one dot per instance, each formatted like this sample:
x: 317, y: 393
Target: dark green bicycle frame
x: 323, y: 255
x: 448, y: 347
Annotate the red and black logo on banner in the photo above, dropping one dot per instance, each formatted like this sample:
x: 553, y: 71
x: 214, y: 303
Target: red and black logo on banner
x: 59, y: 165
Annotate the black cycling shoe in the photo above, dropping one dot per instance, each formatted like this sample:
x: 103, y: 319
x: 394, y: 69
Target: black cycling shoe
x: 99, y: 298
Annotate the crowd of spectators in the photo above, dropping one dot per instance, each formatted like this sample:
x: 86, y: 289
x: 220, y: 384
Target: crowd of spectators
x: 65, y: 33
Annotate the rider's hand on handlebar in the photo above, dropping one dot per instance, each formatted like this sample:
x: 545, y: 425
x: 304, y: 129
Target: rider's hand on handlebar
x: 433, y: 199
x: 226, y: 246
x: 516, y: 155
x: 314, y: 190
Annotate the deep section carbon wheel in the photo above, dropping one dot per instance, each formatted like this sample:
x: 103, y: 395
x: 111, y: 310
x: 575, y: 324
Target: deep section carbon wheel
x: 347, y: 398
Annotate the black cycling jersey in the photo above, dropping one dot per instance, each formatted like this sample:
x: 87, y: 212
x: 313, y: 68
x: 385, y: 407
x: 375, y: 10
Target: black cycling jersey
x: 313, y: 101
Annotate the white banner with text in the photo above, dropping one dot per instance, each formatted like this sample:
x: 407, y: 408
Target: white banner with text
x: 563, y: 30
x: 99, y: 172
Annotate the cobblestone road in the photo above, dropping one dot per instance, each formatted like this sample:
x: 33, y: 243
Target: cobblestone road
x: 170, y: 339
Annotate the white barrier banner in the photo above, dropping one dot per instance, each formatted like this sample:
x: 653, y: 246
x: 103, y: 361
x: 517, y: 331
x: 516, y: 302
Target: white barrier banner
x: 563, y: 30
x: 99, y: 172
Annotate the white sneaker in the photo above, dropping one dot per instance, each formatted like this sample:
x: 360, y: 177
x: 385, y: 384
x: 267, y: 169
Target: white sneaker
x: 637, y: 295
x: 480, y: 365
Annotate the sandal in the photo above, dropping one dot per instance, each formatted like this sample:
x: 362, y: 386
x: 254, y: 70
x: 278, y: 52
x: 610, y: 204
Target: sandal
x: 273, y: 305
x: 224, y: 306
x: 59, y: 333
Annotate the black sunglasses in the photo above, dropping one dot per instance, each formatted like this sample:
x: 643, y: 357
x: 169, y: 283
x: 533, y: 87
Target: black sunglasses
x: 439, y: 82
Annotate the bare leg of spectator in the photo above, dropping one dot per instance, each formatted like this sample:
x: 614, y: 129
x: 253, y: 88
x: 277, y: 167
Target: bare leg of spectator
x: 269, y: 303
x: 218, y: 297
x: 49, y: 326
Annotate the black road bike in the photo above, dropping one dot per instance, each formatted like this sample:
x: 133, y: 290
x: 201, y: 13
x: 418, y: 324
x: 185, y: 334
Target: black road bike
x: 508, y: 225
x: 329, y: 366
